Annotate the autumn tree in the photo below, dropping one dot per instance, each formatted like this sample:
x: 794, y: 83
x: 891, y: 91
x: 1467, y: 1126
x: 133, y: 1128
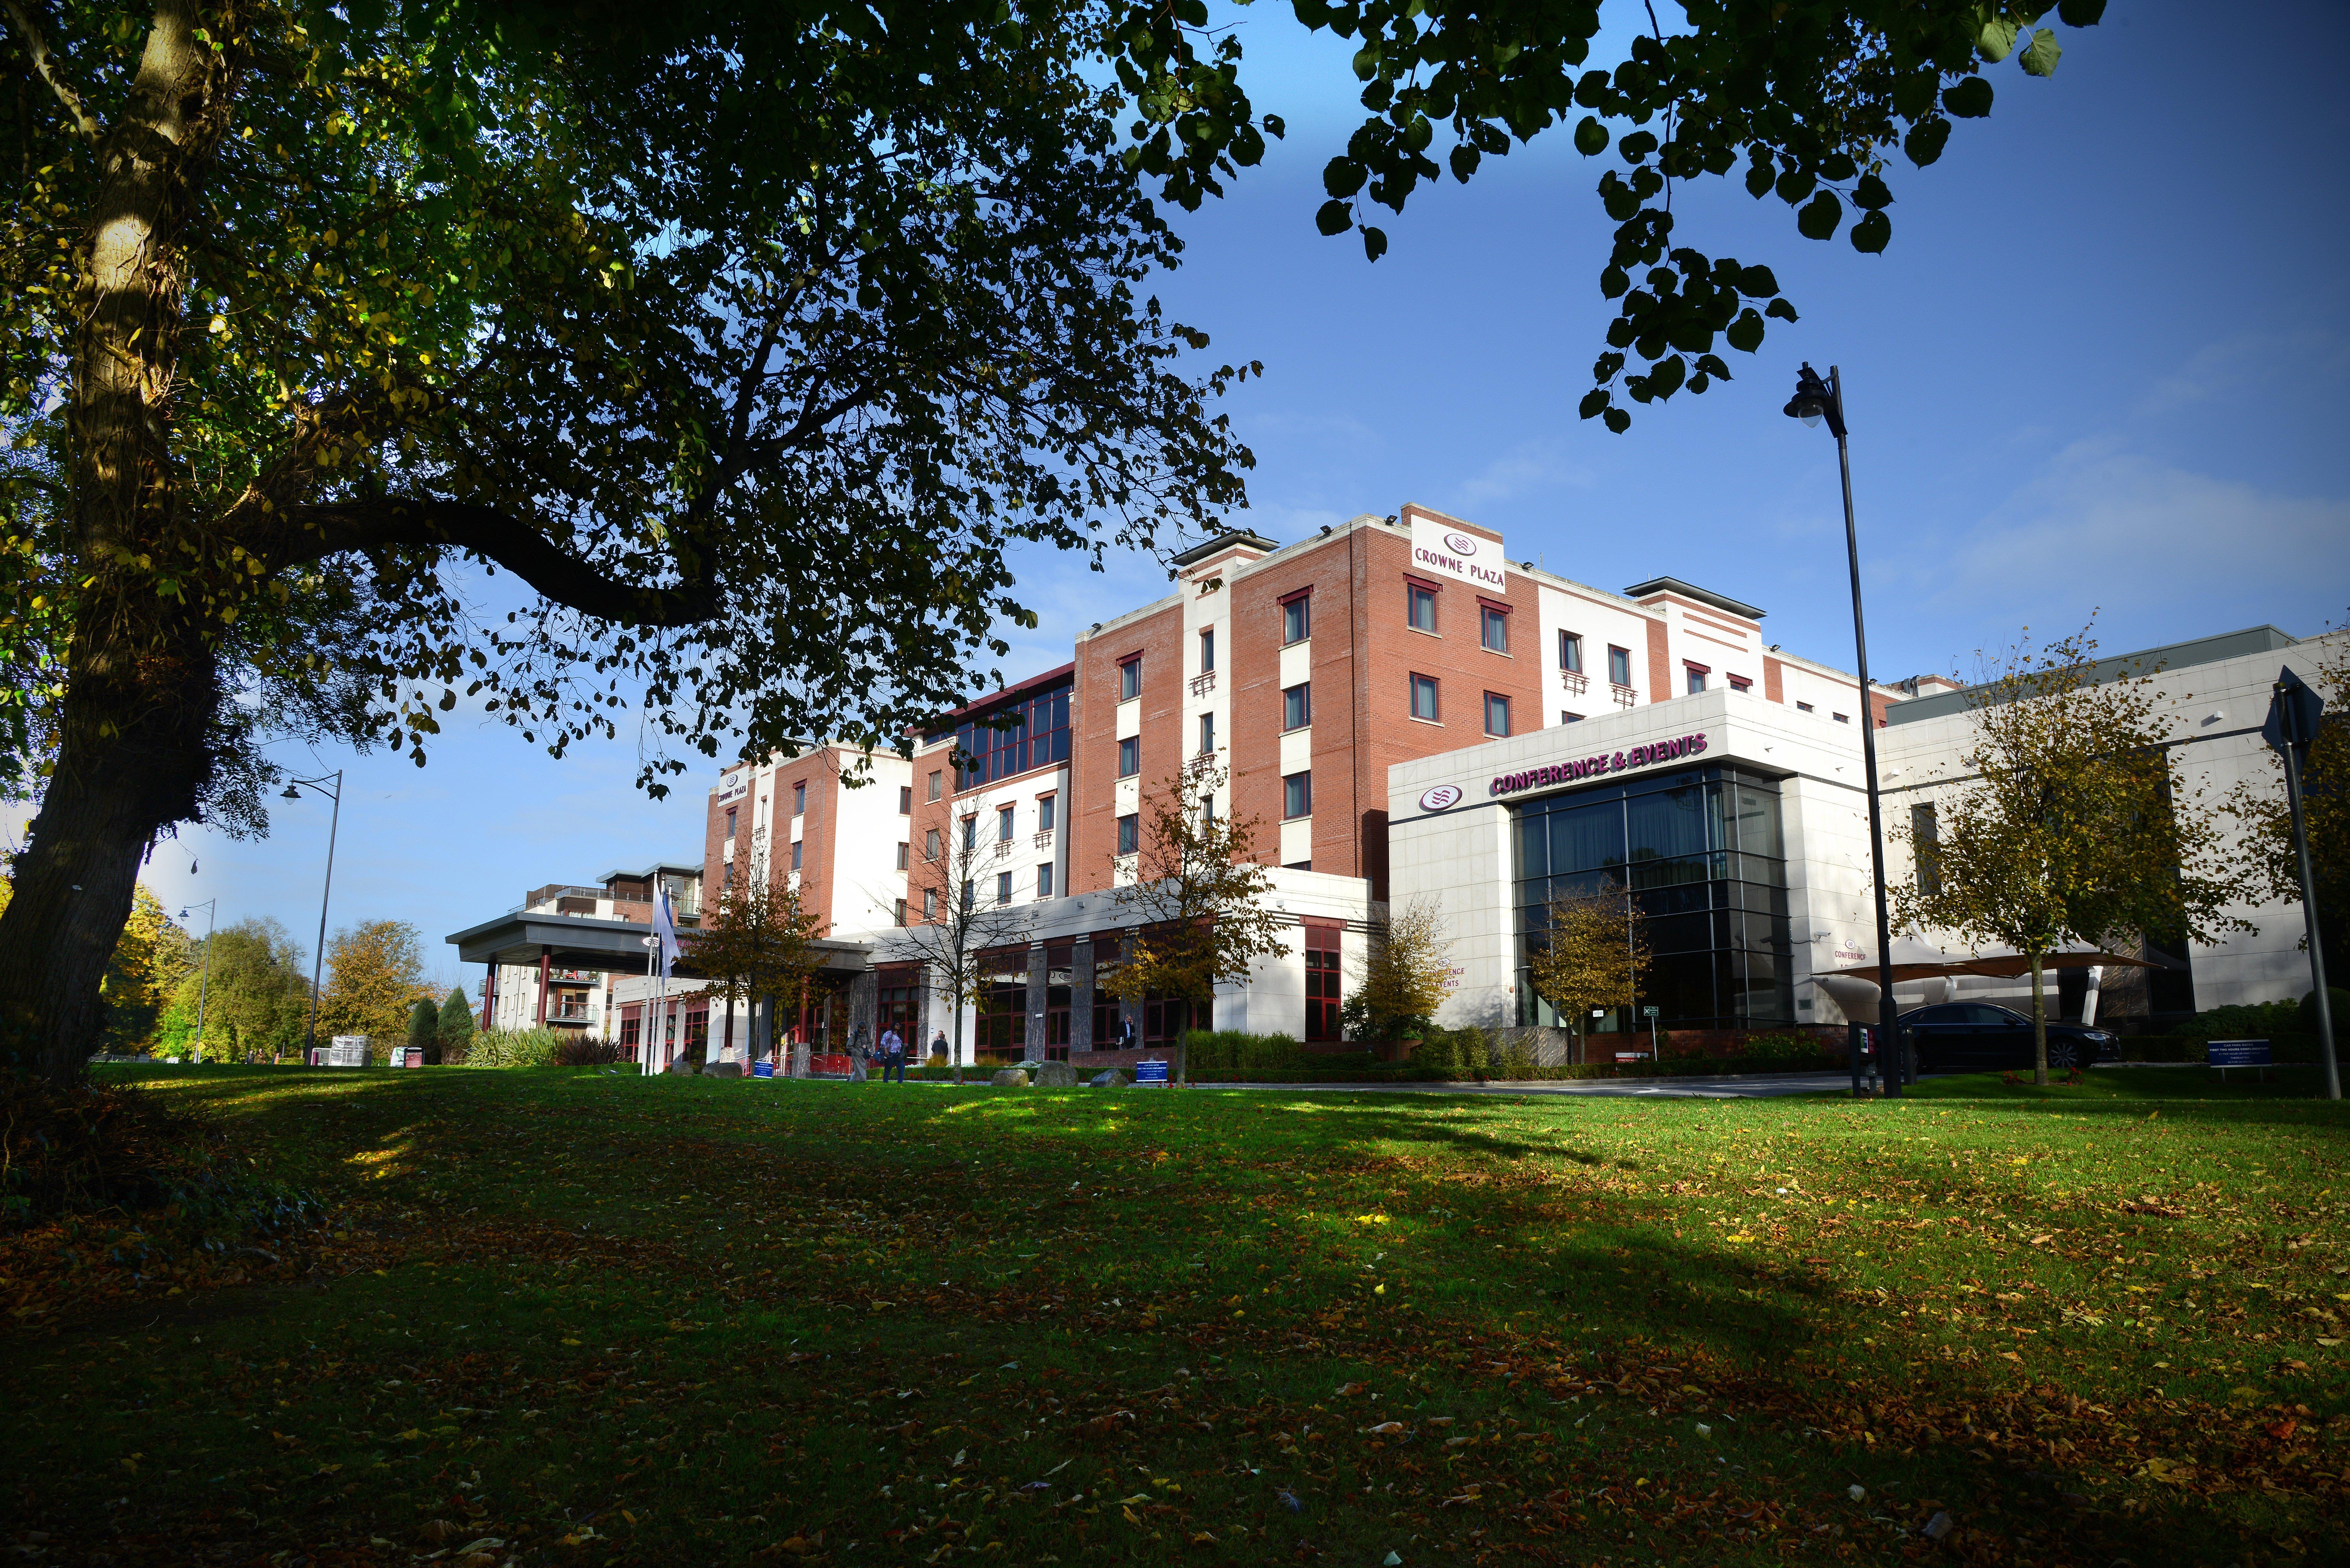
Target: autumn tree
x: 757, y: 945
x: 375, y: 976
x: 1592, y: 952
x: 951, y: 924
x: 1196, y: 902
x: 2065, y: 821
x: 1406, y: 974
x: 2259, y: 810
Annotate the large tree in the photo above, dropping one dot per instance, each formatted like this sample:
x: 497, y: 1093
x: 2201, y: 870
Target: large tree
x: 375, y: 978
x: 2064, y: 819
x: 746, y: 339
x: 255, y: 999
x: 1592, y: 952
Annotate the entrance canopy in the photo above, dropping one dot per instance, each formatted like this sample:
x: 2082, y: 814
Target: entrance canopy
x: 574, y: 941
x: 2000, y: 966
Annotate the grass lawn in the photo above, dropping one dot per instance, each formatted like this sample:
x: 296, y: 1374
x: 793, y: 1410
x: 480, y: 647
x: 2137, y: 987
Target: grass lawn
x: 569, y: 1318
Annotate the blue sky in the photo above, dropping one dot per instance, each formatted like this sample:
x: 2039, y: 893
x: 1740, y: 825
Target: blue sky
x: 2104, y: 365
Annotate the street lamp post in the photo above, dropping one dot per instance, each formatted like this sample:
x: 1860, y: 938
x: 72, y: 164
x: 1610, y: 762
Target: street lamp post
x: 318, y: 959
x: 1816, y: 400
x: 203, y: 987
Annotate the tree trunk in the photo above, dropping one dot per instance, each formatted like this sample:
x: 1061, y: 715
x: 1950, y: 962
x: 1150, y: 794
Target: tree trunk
x: 132, y: 760
x: 2039, y: 1024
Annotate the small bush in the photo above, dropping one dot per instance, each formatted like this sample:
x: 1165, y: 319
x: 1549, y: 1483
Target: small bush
x: 2256, y: 1022
x: 1781, y: 1048
x: 93, y: 1148
x: 513, y: 1048
x: 1233, y: 1050
x: 584, y: 1051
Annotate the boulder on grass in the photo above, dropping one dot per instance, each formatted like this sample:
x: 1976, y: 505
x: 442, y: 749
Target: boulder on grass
x: 1056, y: 1075
x: 1010, y: 1078
x: 1113, y: 1079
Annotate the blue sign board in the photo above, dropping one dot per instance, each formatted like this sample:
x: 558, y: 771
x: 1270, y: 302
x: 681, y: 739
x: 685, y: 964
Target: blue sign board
x: 1150, y: 1073
x: 2240, y: 1053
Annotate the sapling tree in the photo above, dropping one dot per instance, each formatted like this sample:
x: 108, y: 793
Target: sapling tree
x: 1592, y: 952
x: 952, y: 924
x: 757, y: 943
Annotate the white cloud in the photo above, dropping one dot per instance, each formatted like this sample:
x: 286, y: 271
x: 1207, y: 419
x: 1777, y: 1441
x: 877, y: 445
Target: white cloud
x: 2242, y: 360
x: 2166, y: 553
x: 1530, y: 467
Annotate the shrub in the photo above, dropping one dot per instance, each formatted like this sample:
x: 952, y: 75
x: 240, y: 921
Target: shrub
x: 424, y: 1030
x: 2257, y: 1020
x: 2337, y: 1003
x: 1234, y: 1050
x: 1780, y: 1048
x: 512, y: 1048
x: 96, y: 1147
x: 586, y: 1050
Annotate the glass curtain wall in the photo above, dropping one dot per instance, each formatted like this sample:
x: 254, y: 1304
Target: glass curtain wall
x: 1702, y: 853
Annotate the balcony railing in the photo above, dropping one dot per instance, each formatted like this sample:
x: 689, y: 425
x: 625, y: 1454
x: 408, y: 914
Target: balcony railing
x: 1003, y: 850
x: 1625, y: 695
x: 569, y: 1014
x: 1203, y: 683
x: 1045, y: 839
x: 1573, y: 680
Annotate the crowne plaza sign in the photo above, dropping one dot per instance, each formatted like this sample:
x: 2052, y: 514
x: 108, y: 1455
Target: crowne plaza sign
x: 1448, y: 552
x: 1600, y: 764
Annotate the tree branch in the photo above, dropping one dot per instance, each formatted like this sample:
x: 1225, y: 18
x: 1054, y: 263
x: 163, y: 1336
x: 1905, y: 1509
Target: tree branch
x: 37, y: 47
x: 312, y: 532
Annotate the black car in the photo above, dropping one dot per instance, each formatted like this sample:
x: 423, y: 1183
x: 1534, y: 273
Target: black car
x: 1976, y: 1036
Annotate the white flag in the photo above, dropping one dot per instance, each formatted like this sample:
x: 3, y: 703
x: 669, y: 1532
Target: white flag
x: 665, y: 928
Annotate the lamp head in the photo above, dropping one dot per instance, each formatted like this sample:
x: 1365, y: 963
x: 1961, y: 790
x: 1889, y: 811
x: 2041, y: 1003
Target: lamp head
x: 292, y: 794
x: 1813, y: 401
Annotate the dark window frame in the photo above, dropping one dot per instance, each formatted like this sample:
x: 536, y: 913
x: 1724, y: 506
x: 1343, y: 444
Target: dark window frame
x: 1297, y: 796
x: 1502, y: 698
x: 1413, y: 682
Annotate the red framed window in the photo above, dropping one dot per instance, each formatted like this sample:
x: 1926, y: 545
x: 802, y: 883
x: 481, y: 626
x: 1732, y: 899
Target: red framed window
x: 1322, y: 983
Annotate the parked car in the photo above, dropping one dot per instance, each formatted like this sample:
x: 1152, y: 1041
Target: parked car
x: 1980, y: 1036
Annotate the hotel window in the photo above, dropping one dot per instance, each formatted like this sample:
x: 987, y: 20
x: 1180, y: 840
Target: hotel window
x: 1494, y: 628
x: 905, y: 800
x: 1129, y: 756
x: 730, y: 822
x: 931, y: 845
x: 1003, y: 887
x: 1296, y: 618
x: 1925, y: 838
x: 1130, y: 834
x: 1207, y: 734
x: 1619, y: 666
x: 1321, y: 983
x: 1129, y: 679
x: 1497, y: 714
x: 1297, y: 706
x: 1420, y: 607
x: 799, y: 799
x: 1423, y: 698
x: 726, y: 879
x: 1044, y: 881
x: 935, y: 776
x: 1570, y: 651
x: 1740, y: 683
x: 1803, y: 707
x: 904, y: 855
x: 1696, y: 674
x: 1842, y: 718
x: 1003, y: 825
x: 1207, y: 650
x: 970, y: 896
x: 898, y: 914
x: 796, y: 854
x: 1297, y: 796
x: 930, y: 903
x: 1570, y: 718
x: 970, y: 833
x: 1044, y: 813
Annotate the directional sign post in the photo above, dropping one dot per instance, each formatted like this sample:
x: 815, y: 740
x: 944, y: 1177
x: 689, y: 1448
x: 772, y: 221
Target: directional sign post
x: 2295, y: 714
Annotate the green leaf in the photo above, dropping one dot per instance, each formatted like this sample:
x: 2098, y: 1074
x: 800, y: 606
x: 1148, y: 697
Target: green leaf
x: 1613, y: 282
x: 1871, y: 193
x: 1594, y: 402
x: 1666, y: 379
x: 1617, y: 420
x: 1334, y: 218
x: 1968, y: 100
x: 1779, y: 309
x: 1375, y: 244
x: 2080, y: 13
x: 1711, y: 365
x: 1818, y: 218
x: 1838, y: 167
x: 1757, y: 282
x: 1796, y: 184
x: 1924, y: 143
x: 1758, y: 180
x: 1745, y: 334
x: 1341, y: 177
x: 1463, y: 158
x: 1870, y: 235
x: 1638, y: 146
x: 2039, y: 59
x: 1996, y: 40
x: 1590, y: 137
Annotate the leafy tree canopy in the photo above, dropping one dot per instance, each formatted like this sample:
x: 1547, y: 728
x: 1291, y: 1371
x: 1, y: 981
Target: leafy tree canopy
x: 375, y: 977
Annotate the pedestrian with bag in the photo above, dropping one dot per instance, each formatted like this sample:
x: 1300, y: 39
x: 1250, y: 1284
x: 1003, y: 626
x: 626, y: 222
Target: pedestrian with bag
x: 893, y: 1053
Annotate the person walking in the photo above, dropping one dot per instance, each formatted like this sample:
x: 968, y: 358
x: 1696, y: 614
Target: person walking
x: 938, y: 1046
x: 893, y: 1053
x: 1126, y: 1034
